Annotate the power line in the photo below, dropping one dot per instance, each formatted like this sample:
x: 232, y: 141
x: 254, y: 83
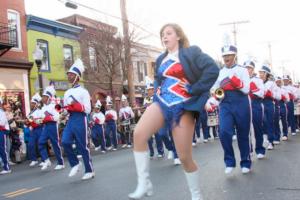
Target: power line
x: 74, y: 5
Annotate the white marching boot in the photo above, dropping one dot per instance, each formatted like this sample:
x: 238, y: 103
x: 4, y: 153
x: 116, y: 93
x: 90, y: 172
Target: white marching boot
x: 194, y: 185
x: 144, y: 186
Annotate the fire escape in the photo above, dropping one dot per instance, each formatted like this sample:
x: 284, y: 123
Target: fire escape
x: 8, y: 37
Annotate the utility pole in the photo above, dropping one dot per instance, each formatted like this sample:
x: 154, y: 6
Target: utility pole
x: 127, y: 44
x: 234, y: 24
x: 270, y: 55
x: 293, y: 74
x: 269, y: 44
x: 283, y: 66
x: 127, y: 47
x: 283, y: 70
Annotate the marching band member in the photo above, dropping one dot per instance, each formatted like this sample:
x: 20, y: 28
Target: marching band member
x: 176, y: 160
x: 213, y: 122
x: 98, y: 134
x: 277, y: 98
x: 215, y: 129
x: 77, y: 103
x: 213, y: 116
x: 50, y: 130
x: 297, y: 106
x: 4, y: 127
x: 34, y: 121
x: 183, y: 77
x: 201, y: 122
x: 282, y: 111
x: 256, y: 94
x: 197, y: 136
x: 111, y: 125
x: 125, y: 114
x: 290, y: 105
x: 235, y: 109
x: 166, y: 137
x: 268, y: 121
x: 159, y: 146
x: 148, y: 100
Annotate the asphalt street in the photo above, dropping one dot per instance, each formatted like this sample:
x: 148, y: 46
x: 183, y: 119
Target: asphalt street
x: 277, y: 177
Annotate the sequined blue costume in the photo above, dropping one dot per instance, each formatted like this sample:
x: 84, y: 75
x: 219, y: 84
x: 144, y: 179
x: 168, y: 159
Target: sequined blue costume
x: 182, y: 82
x: 173, y: 91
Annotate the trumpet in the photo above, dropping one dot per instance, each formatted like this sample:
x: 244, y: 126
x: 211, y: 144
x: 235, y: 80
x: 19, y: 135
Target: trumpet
x: 219, y: 93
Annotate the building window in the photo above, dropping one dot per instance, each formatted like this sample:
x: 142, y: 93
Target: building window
x: 141, y: 70
x: 152, y: 70
x: 68, y: 55
x: 43, y: 44
x: 13, y: 18
x: 145, y: 70
x: 93, y: 59
x: 138, y: 63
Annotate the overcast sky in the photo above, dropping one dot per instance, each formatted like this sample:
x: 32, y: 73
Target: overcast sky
x: 270, y: 21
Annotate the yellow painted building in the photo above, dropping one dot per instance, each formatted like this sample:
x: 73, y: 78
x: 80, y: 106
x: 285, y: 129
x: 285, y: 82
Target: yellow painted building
x: 60, y: 46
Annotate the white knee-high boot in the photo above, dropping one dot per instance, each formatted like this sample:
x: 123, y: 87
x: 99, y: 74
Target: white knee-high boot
x: 194, y: 184
x: 144, y: 186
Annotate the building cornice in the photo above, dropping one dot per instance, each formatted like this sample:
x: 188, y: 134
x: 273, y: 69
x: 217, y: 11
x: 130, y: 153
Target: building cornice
x: 15, y: 64
x: 53, y: 27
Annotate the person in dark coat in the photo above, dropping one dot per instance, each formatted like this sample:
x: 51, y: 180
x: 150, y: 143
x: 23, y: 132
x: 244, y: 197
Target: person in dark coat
x: 183, y: 78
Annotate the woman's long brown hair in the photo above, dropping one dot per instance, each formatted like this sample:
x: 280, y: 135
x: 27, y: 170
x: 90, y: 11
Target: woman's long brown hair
x: 183, y: 41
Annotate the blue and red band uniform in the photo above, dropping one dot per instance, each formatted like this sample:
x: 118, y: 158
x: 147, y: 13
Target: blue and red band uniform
x: 50, y: 129
x: 77, y: 103
x: 98, y: 135
x: 235, y: 111
x: 111, y: 128
x: 256, y: 94
x: 36, y: 128
x: 4, y: 128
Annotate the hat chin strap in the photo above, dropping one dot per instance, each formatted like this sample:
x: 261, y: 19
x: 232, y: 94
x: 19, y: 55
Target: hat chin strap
x: 49, y: 100
x: 35, y: 106
x: 235, y: 56
x: 75, y: 79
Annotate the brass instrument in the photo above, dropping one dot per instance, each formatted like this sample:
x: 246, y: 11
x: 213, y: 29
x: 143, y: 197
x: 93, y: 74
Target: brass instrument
x: 219, y: 93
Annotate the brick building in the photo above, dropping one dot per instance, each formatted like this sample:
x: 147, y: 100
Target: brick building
x: 14, y: 64
x: 99, y: 49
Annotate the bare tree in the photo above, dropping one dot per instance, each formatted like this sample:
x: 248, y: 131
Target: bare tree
x: 104, y: 55
x: 134, y: 37
x: 103, y: 52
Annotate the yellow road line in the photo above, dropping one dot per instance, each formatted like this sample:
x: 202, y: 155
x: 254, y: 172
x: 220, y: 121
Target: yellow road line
x: 20, y: 192
x: 11, y: 193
